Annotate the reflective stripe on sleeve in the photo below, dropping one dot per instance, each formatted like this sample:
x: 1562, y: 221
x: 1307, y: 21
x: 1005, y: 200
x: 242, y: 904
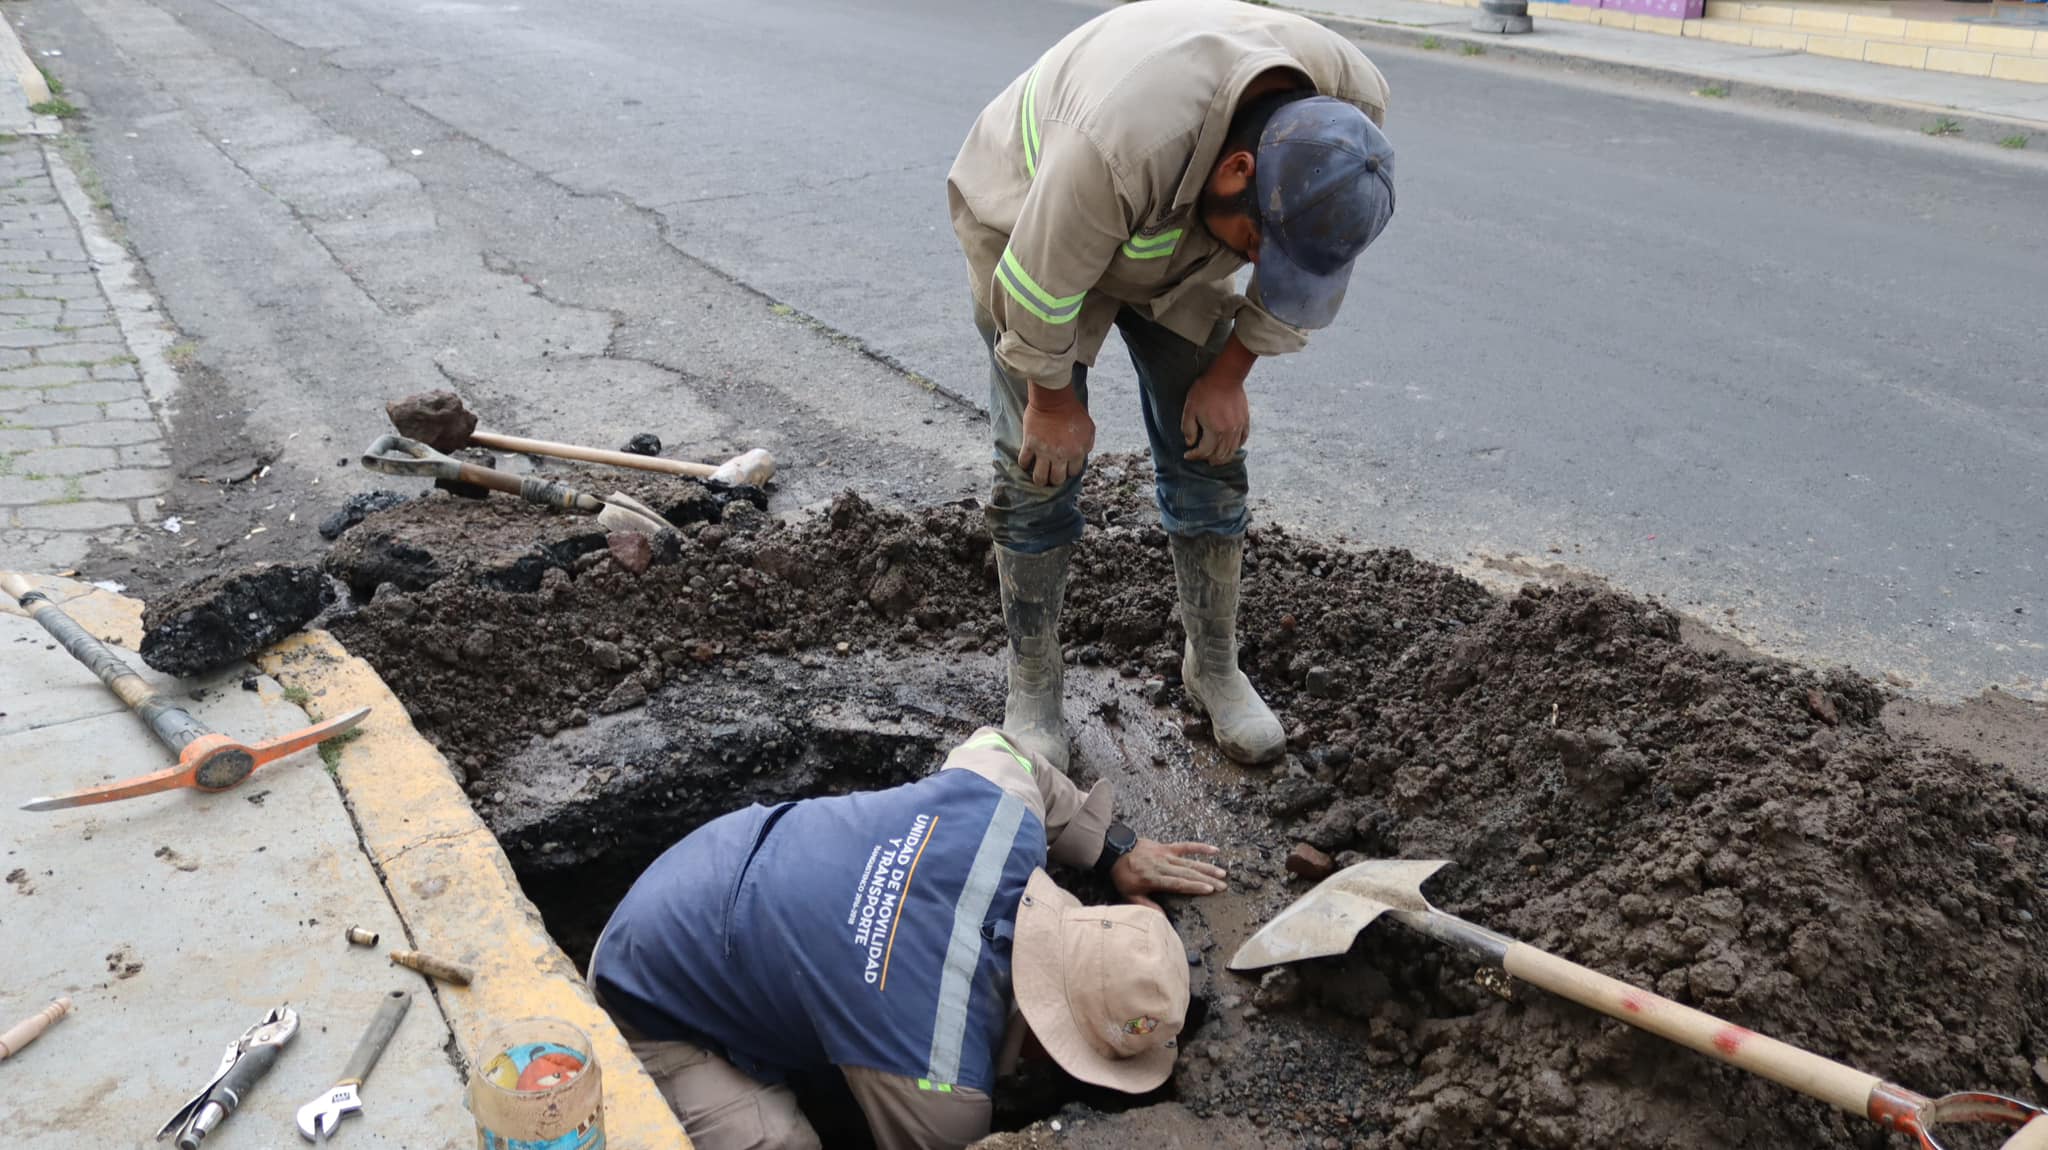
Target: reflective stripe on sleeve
x: 1056, y: 310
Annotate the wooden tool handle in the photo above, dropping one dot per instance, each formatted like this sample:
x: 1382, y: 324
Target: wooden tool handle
x: 524, y: 446
x: 29, y: 1029
x: 2032, y: 1136
x: 375, y: 1039
x: 1840, y: 1086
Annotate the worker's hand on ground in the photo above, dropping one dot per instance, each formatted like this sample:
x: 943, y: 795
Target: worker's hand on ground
x: 1058, y: 435
x: 1167, y: 868
x: 1217, y: 418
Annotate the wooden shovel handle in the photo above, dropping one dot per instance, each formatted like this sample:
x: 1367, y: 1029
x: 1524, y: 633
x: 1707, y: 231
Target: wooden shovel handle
x: 524, y: 446
x: 1840, y: 1086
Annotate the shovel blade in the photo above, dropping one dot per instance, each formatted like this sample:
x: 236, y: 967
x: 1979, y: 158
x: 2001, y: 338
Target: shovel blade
x: 1326, y: 920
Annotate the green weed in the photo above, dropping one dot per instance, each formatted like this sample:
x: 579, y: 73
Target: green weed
x: 55, y: 106
x: 2013, y: 142
x: 1470, y: 49
x: 1712, y: 92
x: 1943, y: 127
x: 1431, y: 43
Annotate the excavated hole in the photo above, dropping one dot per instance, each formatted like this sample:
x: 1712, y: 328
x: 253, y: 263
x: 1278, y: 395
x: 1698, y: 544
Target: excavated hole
x: 1742, y: 834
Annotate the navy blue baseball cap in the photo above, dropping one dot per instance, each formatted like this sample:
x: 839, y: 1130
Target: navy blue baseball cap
x: 1326, y: 190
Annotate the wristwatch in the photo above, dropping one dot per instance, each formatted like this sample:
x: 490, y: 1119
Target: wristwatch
x: 1117, y: 842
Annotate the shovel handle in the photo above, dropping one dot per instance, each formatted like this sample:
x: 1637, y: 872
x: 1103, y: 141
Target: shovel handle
x: 397, y: 455
x: 1840, y: 1086
x: 2032, y: 1136
x: 524, y: 446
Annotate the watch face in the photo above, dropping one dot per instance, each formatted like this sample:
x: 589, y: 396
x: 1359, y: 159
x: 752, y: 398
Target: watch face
x: 1121, y: 837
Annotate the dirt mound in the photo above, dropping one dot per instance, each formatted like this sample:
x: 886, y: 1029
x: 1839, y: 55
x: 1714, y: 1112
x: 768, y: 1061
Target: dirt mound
x: 214, y: 621
x: 1737, y: 833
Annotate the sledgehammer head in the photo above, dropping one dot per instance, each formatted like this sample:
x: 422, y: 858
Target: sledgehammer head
x: 751, y: 469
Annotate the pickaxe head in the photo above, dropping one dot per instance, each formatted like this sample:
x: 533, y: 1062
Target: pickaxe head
x: 1326, y: 920
x: 210, y: 762
x: 319, y: 1118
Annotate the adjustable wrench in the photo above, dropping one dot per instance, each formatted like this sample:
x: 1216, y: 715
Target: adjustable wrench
x: 319, y: 1118
x: 246, y: 1060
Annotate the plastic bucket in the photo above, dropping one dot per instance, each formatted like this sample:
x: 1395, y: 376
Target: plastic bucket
x: 538, y: 1087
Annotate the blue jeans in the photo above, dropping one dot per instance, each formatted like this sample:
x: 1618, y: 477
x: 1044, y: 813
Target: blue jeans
x: 1194, y: 498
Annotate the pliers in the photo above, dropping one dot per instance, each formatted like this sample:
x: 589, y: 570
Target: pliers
x: 246, y: 1060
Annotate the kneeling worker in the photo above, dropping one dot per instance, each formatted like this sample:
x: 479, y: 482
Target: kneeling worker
x: 909, y: 938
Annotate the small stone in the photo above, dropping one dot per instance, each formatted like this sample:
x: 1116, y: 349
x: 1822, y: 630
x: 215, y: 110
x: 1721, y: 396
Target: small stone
x: 1822, y: 707
x: 1305, y: 861
x: 606, y: 655
x: 627, y: 695
x: 842, y: 648
x: 1279, y: 989
x: 1155, y: 691
x: 631, y: 550
x: 1531, y: 853
x: 645, y: 443
x: 1321, y: 683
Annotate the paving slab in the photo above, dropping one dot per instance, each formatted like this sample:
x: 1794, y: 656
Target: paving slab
x: 175, y: 921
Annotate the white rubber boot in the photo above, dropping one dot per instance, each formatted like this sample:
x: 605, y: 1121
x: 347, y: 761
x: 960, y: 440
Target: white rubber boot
x: 1207, y: 568
x: 1033, y: 588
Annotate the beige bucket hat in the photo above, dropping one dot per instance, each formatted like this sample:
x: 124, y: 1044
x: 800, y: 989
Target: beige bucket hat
x: 1105, y: 988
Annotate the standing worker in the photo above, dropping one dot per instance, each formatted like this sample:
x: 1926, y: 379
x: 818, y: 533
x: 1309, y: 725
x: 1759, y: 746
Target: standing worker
x: 1123, y: 181
x: 908, y: 939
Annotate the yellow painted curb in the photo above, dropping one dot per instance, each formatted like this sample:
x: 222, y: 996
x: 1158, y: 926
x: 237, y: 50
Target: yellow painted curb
x: 1959, y: 61
x: 1896, y: 55
x: 454, y: 888
x: 15, y: 57
x: 2031, y: 69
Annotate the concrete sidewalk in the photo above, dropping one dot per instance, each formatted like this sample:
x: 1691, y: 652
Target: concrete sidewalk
x: 175, y: 921
x: 1984, y: 109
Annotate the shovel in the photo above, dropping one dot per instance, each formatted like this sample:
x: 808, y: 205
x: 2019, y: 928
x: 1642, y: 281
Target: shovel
x: 397, y: 455
x: 1326, y: 921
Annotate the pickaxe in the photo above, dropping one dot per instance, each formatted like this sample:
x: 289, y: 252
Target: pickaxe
x: 207, y: 760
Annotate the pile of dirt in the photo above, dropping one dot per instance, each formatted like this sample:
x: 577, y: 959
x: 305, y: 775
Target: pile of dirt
x: 214, y: 621
x: 1740, y: 834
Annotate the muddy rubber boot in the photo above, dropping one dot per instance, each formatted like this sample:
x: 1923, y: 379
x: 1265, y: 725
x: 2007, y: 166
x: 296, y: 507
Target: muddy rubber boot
x: 1207, y: 568
x: 1033, y: 588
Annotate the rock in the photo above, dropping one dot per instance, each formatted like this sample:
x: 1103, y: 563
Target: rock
x: 436, y: 419
x: 631, y: 550
x: 221, y: 618
x: 1305, y: 861
x: 1279, y: 989
x: 624, y: 697
x: 1155, y: 691
x: 355, y: 509
x: 645, y: 443
x: 1320, y: 682
x: 1822, y: 707
x: 606, y: 655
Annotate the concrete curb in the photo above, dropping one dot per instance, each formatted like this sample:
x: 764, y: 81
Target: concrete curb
x: 454, y: 889
x: 14, y: 61
x: 146, y: 330
x: 1976, y: 127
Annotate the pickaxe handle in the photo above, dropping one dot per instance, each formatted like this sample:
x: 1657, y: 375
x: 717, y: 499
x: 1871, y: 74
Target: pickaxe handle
x: 169, y: 722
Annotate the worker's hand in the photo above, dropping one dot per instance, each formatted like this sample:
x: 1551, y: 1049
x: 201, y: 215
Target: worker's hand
x: 1167, y: 868
x: 1217, y: 418
x: 1058, y: 435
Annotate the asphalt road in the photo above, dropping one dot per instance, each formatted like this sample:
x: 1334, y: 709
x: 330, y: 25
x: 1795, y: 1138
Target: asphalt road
x: 1783, y: 374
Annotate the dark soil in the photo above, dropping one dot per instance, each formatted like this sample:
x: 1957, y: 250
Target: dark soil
x: 1739, y: 833
x: 221, y: 618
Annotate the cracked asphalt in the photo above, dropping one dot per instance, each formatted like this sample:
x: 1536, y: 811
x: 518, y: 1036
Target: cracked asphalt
x: 1783, y: 373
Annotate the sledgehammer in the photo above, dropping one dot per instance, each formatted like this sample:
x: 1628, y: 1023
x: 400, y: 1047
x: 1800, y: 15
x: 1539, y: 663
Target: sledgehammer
x: 1327, y: 920
x: 207, y: 760
x: 439, y: 420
